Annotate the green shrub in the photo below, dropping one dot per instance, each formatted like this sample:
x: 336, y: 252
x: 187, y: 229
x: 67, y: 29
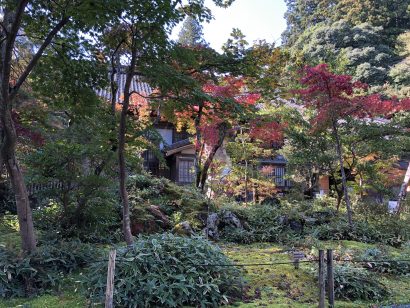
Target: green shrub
x: 40, y: 271
x: 100, y: 221
x: 384, y: 264
x: 339, y: 229
x: 356, y: 283
x: 167, y: 271
x: 261, y: 222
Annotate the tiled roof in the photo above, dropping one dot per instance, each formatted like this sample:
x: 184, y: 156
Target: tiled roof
x: 137, y: 85
x: 178, y: 144
x: 279, y: 159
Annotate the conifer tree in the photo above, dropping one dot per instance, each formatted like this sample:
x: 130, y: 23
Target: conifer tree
x: 191, y: 33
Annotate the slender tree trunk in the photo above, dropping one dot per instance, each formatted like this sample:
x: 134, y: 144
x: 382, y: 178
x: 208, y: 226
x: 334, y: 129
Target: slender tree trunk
x: 222, y: 130
x: 246, y: 182
x: 13, y: 12
x: 198, y: 166
x: 126, y: 221
x: 402, y: 193
x: 24, y: 212
x: 339, y: 198
x: 11, y: 23
x: 342, y: 170
x: 8, y: 148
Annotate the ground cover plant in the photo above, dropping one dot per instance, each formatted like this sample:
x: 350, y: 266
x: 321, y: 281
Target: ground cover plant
x: 42, y: 271
x: 168, y: 271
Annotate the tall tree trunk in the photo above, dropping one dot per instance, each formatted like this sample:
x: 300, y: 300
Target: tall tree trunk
x: 198, y: 167
x: 246, y: 182
x: 24, y: 212
x: 402, y: 193
x: 11, y: 24
x: 13, y: 12
x: 126, y: 221
x: 342, y: 170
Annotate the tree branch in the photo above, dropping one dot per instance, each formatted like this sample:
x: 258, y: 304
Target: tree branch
x: 37, y: 56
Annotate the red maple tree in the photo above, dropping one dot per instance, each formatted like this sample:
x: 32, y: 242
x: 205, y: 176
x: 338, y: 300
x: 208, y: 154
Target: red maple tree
x: 212, y: 119
x: 334, y: 98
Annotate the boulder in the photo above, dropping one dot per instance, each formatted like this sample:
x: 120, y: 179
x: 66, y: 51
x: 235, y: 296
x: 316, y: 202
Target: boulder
x: 216, y: 222
x: 296, y: 225
x: 159, y: 216
x: 183, y: 228
x: 212, y: 223
x: 283, y: 220
x: 231, y: 220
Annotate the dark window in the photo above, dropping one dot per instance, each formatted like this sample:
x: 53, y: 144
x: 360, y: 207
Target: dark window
x: 186, y: 170
x: 178, y: 136
x: 151, y: 162
x: 278, y: 175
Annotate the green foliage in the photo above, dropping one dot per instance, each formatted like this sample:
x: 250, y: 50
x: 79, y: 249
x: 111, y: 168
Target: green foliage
x: 387, y: 229
x: 391, y: 15
x: 7, y: 202
x: 356, y: 283
x: 339, y: 229
x: 101, y: 222
x: 167, y: 271
x: 261, y: 224
x: 361, y: 50
x: 9, y: 237
x: 383, y: 263
x: 42, y: 270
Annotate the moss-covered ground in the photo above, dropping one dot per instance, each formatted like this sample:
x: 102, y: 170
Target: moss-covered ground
x: 266, y: 286
x: 284, y: 286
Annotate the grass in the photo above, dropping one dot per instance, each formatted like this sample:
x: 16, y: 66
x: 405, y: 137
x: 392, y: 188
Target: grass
x: 65, y: 300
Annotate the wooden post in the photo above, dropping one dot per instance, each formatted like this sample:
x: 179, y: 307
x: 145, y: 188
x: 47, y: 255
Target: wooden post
x: 321, y: 279
x: 297, y: 256
x: 109, y: 292
x: 330, y: 279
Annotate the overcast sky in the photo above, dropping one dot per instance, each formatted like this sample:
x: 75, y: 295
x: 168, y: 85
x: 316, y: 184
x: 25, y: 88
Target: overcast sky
x: 258, y: 19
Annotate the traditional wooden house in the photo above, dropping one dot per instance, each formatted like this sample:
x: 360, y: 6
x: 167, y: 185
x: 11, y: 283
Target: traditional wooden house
x: 177, y: 148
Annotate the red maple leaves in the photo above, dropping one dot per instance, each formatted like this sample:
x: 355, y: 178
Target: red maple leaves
x: 336, y: 96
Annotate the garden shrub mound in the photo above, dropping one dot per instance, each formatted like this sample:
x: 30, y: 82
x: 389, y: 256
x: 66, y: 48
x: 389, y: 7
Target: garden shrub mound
x: 261, y: 224
x: 167, y: 271
x: 148, y: 195
x: 388, y: 230
x: 353, y: 283
x: 43, y: 270
x: 383, y: 263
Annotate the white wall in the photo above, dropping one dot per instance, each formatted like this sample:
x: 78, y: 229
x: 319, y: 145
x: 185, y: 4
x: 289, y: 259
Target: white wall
x: 166, y: 134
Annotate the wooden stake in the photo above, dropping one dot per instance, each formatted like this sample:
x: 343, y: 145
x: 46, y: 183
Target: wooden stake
x: 321, y: 279
x: 330, y: 279
x: 109, y: 292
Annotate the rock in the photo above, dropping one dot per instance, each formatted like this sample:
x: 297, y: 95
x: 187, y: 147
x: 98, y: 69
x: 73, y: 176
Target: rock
x: 215, y: 223
x: 156, y: 221
x: 296, y: 225
x: 183, y: 228
x: 231, y: 220
x: 160, y: 217
x: 283, y: 220
x: 212, y: 223
x: 138, y: 227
